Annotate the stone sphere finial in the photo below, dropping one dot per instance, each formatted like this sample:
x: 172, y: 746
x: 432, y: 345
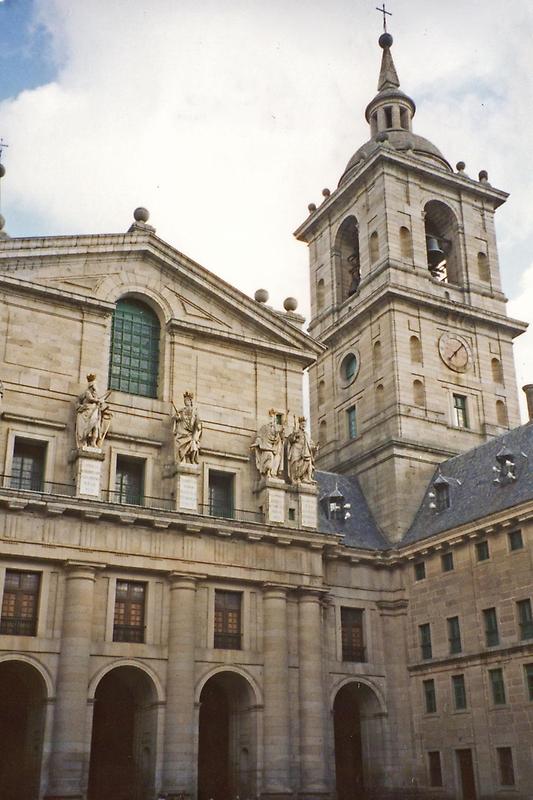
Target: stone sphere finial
x: 460, y: 166
x: 483, y: 176
x: 290, y: 304
x: 385, y: 40
x: 261, y: 296
x: 2, y: 223
x: 141, y: 214
x: 311, y: 207
x: 2, y: 170
x: 326, y: 192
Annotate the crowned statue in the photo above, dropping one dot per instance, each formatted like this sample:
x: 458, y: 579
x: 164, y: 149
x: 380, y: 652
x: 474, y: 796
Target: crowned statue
x: 187, y: 431
x: 301, y: 454
x: 93, y: 416
x: 269, y: 446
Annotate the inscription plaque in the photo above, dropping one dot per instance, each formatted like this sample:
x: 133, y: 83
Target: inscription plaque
x: 308, y: 510
x: 276, y: 505
x: 188, y: 489
x: 90, y: 471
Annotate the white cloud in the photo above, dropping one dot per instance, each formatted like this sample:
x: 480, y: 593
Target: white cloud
x: 521, y: 307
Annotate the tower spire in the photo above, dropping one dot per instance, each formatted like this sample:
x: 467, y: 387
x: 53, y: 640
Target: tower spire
x: 388, y: 77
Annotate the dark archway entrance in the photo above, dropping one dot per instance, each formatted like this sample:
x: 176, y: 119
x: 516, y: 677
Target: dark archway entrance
x: 123, y: 744
x: 22, y: 717
x: 227, y: 739
x: 359, y: 760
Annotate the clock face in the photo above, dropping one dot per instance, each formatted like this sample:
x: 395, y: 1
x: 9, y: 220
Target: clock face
x: 455, y: 352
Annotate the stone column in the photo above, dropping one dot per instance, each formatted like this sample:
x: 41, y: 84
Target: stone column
x: 312, y: 700
x: 69, y: 747
x: 276, y: 714
x: 179, y: 767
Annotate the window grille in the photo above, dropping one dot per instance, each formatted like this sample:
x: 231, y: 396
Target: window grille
x: 228, y: 620
x: 525, y: 619
x: 27, y: 467
x: 20, y: 603
x: 134, y: 358
x: 492, y: 636
x: 454, y: 635
x: 352, y: 635
x: 129, y: 481
x: 425, y: 641
x: 129, y: 612
x: 459, y: 691
x: 221, y: 503
x: 430, y: 696
x: 497, y: 686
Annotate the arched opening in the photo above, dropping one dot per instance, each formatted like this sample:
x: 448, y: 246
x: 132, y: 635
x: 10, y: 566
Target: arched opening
x: 227, y: 741
x: 406, y: 243
x: 320, y: 295
x: 377, y: 357
x: 442, y: 243
x: 123, y: 745
x: 483, y: 267
x: 415, y: 348
x: 374, y: 247
x: 359, y: 749
x: 501, y: 414
x: 380, y: 396
x: 322, y: 433
x: 321, y: 392
x: 349, y: 368
x: 497, y: 371
x: 22, y: 718
x: 134, y: 356
x: 419, y: 393
x: 347, y: 262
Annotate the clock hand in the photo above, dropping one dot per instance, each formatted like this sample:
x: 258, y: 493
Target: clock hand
x: 456, y: 351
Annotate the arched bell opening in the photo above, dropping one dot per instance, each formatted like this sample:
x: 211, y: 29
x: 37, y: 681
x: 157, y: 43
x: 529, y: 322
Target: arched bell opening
x: 124, y: 736
x: 22, y: 720
x: 359, y: 743
x: 347, y: 260
x: 442, y: 242
x: 227, y: 740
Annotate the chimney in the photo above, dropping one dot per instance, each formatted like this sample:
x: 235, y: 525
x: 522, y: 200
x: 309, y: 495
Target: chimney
x: 528, y: 390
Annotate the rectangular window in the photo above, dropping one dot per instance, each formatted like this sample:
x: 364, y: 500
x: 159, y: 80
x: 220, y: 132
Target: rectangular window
x: 420, y: 570
x: 424, y: 632
x: 446, y: 561
x: 228, y: 620
x: 490, y: 620
x: 482, y: 551
x: 128, y: 625
x: 20, y: 603
x: 129, y: 480
x: 27, y: 466
x: 352, y: 422
x: 442, y: 496
x: 352, y: 634
x: 435, y: 769
x: 221, y: 494
x: 497, y: 686
x: 515, y: 540
x: 525, y: 619
x: 505, y: 764
x: 528, y: 673
x: 454, y: 635
x: 430, y: 696
x: 460, y: 416
x: 459, y: 692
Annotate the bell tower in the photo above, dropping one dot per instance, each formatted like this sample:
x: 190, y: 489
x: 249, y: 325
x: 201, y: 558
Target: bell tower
x: 406, y: 295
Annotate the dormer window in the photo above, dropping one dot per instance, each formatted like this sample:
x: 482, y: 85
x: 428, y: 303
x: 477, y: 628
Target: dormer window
x: 439, y: 497
x: 337, y: 508
x: 505, y: 470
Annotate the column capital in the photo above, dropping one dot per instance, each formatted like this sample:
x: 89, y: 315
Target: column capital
x: 87, y: 569
x: 181, y: 580
x: 276, y: 589
x: 312, y: 594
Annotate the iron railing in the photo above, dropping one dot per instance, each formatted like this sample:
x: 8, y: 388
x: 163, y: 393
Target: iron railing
x: 18, y: 626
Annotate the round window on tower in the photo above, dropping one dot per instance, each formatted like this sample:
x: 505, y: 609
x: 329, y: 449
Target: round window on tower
x: 349, y: 368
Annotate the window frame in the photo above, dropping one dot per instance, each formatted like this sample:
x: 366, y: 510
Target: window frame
x: 454, y: 635
x: 128, y: 603
x: 461, y: 417
x: 153, y: 374
x: 525, y: 621
x: 430, y: 696
x: 425, y: 643
x: 351, y: 422
x: 512, y: 538
x: 30, y: 436
x: 492, y: 633
x: 432, y: 771
x: 117, y: 494
x: 223, y: 638
x: 497, y: 686
x: 18, y: 618
x: 482, y: 550
x: 349, y: 650
x: 503, y: 767
x: 231, y: 478
x: 460, y: 702
x: 447, y: 562
x: 419, y: 570
x: 528, y: 676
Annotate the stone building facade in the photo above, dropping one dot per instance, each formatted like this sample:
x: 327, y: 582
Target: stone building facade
x: 189, y: 608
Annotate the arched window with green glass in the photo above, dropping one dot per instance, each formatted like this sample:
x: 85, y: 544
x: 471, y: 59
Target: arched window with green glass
x: 134, y: 358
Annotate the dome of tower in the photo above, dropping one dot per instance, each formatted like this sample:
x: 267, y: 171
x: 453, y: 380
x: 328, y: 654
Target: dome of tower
x: 402, y: 141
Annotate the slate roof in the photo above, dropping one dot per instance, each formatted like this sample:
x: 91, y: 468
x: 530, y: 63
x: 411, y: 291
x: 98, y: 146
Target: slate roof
x: 473, y: 493
x: 360, y: 530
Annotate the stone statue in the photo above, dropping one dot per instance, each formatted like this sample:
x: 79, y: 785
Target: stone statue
x: 269, y: 447
x: 301, y: 454
x: 187, y: 431
x: 93, y: 416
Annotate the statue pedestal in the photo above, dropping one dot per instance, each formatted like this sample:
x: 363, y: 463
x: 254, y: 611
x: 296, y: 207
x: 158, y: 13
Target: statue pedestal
x: 308, y: 505
x: 186, y: 478
x: 271, y: 494
x: 89, y: 472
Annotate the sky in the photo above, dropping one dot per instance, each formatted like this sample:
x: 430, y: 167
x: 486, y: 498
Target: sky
x: 225, y: 118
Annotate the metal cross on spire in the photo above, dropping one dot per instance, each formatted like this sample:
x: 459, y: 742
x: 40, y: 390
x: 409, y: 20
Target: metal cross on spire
x: 386, y: 14
x: 2, y: 145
